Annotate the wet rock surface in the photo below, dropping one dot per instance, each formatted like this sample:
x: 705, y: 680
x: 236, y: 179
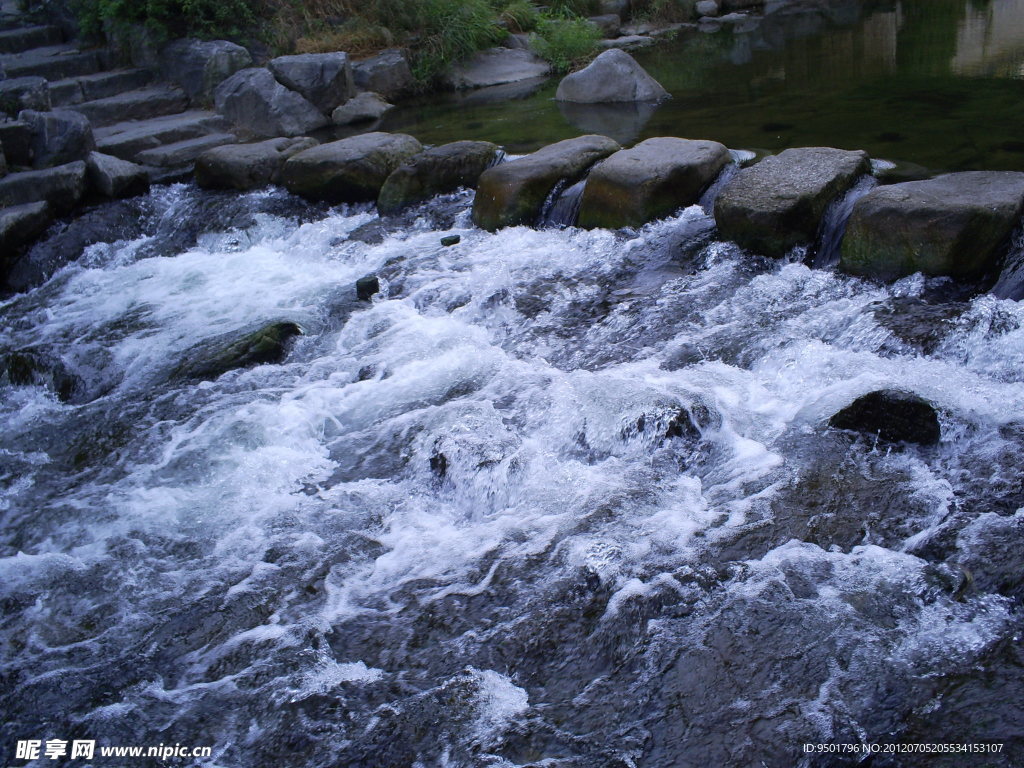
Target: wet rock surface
x: 349, y: 170
x: 247, y: 166
x: 268, y: 344
x: 779, y: 202
x: 512, y: 193
x: 649, y: 181
x: 893, y: 416
x: 957, y: 225
x: 435, y: 171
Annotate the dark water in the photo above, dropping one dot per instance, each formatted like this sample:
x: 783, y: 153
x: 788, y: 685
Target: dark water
x: 937, y: 83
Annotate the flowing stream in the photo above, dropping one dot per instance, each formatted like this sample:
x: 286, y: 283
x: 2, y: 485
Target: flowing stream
x: 553, y: 497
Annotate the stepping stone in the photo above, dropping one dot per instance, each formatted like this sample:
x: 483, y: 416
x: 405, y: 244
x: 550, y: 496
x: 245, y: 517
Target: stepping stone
x: 141, y: 104
x: 54, y: 63
x: 102, y: 85
x: 779, y: 203
x: 182, y: 153
x: 26, y: 38
x: 127, y: 139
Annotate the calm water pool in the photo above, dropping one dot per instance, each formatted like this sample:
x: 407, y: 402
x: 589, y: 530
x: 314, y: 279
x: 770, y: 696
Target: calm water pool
x: 939, y: 83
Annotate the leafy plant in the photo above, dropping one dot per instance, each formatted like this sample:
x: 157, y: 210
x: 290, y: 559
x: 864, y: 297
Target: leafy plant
x: 565, y: 42
x: 451, y: 30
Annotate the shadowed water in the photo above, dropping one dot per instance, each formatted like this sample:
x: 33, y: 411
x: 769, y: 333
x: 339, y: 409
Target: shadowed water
x: 553, y: 497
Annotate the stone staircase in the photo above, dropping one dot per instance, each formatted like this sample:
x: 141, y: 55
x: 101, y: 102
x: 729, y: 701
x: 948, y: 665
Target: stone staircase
x: 133, y: 116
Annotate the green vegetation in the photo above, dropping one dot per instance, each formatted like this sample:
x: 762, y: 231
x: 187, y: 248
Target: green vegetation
x: 565, y: 42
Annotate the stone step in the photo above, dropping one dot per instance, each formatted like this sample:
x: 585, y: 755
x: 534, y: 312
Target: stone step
x: 102, y: 85
x: 182, y: 153
x: 127, y: 139
x: 55, y: 62
x: 26, y: 38
x: 141, y: 104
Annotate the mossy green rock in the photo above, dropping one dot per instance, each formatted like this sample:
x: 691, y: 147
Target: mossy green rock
x: 436, y: 171
x: 779, y: 203
x: 268, y: 344
x: 513, y: 193
x: 351, y: 170
x: 954, y: 225
x: 649, y: 181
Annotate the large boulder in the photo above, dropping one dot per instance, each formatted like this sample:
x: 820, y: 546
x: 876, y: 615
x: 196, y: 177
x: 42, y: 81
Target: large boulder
x: 29, y: 92
x: 350, y: 170
x: 614, y: 76
x: 116, y: 178
x: 779, y: 203
x: 434, y: 172
x: 58, y: 137
x: 20, y: 224
x: 324, y: 79
x: 513, y: 193
x: 200, y: 66
x: 387, y: 73
x: 62, y: 187
x: 247, y: 166
x: 496, y: 66
x: 254, y: 101
x: 892, y: 416
x: 954, y: 225
x: 649, y: 181
x: 362, y: 108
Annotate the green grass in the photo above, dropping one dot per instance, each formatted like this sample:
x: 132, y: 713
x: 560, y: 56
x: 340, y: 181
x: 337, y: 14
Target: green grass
x: 565, y: 42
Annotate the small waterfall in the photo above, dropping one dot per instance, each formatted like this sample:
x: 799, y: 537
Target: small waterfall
x: 1010, y: 284
x: 563, y: 205
x: 833, y: 226
x: 707, y: 200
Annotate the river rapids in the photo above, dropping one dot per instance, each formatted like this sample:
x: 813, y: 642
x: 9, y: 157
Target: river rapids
x: 552, y: 498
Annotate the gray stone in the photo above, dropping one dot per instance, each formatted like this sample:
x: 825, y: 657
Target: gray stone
x: 126, y: 140
x: 350, y: 170
x: 608, y: 23
x: 142, y: 104
x: 649, y: 181
x: 263, y: 346
x: 58, y: 137
x: 614, y: 76
x: 324, y: 79
x: 247, y: 166
x: 496, y: 66
x: 62, y: 187
x: 436, y: 171
x: 20, y: 224
x: 512, y: 193
x: 779, y: 203
x: 387, y: 73
x: 707, y: 8
x: 16, y: 138
x: 200, y: 66
x: 361, y: 108
x: 954, y: 225
x: 627, y: 42
x: 20, y: 93
x: 181, y: 155
x: 254, y: 101
x: 116, y: 178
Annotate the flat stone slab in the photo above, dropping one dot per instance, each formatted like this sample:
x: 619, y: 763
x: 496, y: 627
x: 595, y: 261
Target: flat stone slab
x: 116, y: 178
x: 182, y: 153
x: 350, y: 170
x: 779, y: 203
x: 62, y: 187
x: 497, y: 66
x: 141, y: 104
x: 954, y: 225
x: 650, y: 181
x: 513, y: 193
x: 127, y: 139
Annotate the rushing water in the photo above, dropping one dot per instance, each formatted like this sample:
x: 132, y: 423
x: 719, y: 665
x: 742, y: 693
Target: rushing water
x: 936, y: 83
x: 554, y: 498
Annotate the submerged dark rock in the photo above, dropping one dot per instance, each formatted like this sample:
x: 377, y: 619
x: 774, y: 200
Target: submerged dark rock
x: 32, y: 367
x: 268, y: 344
x: 367, y: 287
x: 891, y: 415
